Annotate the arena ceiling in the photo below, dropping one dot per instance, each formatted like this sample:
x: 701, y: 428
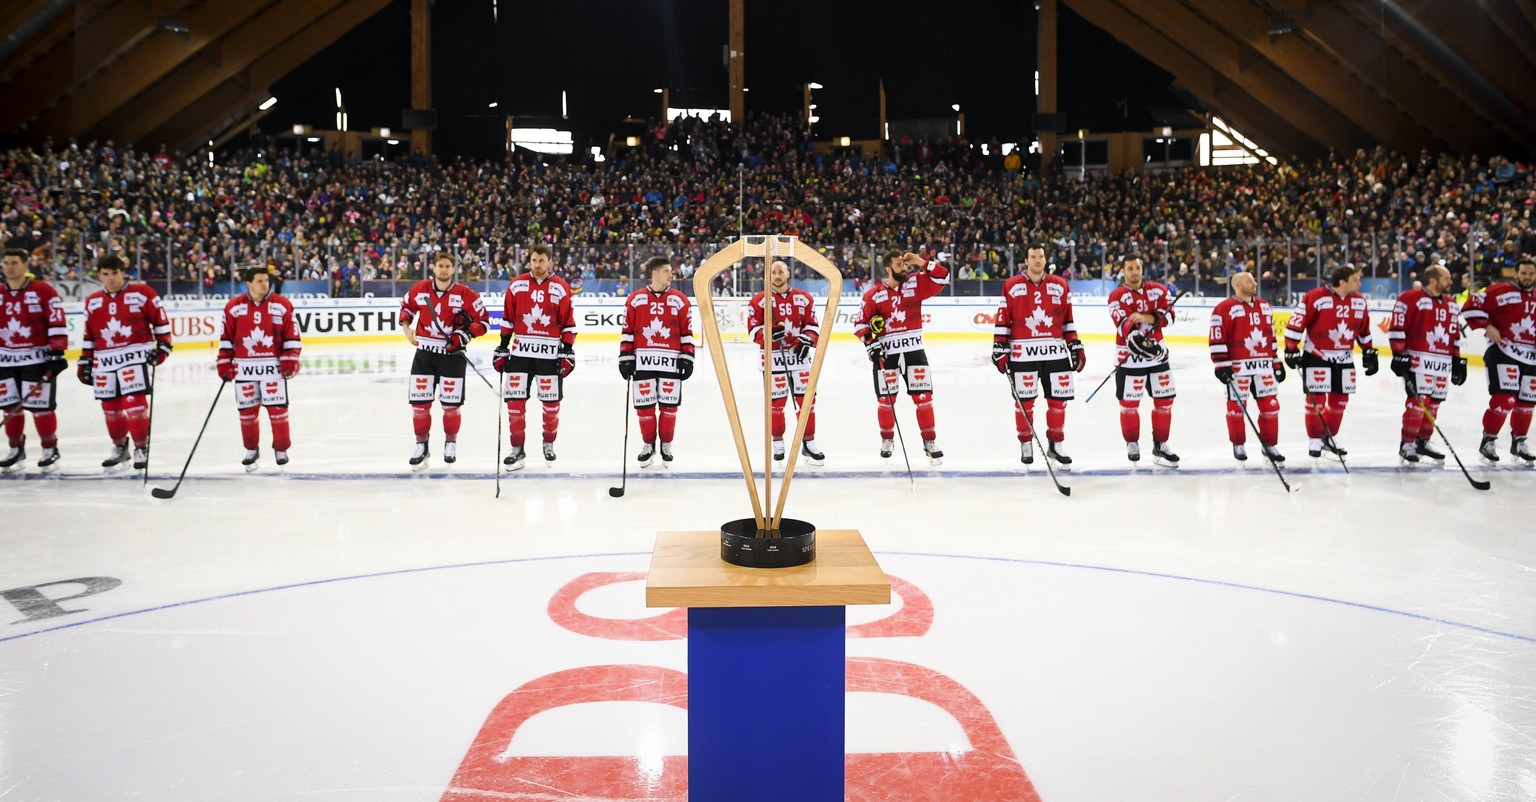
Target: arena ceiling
x: 1298, y: 76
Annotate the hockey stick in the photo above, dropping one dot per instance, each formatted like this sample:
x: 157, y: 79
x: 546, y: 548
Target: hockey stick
x: 149, y: 367
x: 897, y: 423
x: 473, y: 367
x: 1236, y: 396
x: 159, y: 492
x: 618, y: 492
x: 1477, y: 484
x: 1035, y: 435
x: 1096, y: 390
x: 501, y: 411
x: 1329, y: 433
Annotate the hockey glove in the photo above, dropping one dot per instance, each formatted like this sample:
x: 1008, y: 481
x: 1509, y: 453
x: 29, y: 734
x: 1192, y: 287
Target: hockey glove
x: 288, y: 365
x: 684, y: 367
x: 1224, y: 374
x: 1000, y: 356
x: 83, y: 368
x: 567, y: 359
x: 457, y: 341
x: 1371, y: 361
x: 1279, y: 373
x: 1400, y: 364
x: 54, y: 363
x: 1293, y: 359
x: 803, y: 346
x: 875, y: 351
x: 1459, y: 371
x: 1079, y: 358
x: 627, y: 366
x: 500, y: 357
x: 162, y: 352
x: 225, y: 368
x: 780, y: 341
x: 1142, y: 346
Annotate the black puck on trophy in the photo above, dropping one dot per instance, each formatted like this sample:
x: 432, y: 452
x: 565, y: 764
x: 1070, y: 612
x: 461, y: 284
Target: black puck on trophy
x: 743, y: 544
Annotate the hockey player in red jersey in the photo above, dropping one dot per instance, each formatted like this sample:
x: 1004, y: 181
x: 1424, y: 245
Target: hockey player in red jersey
x: 1425, y: 336
x: 794, y: 335
x: 1242, y: 342
x: 656, y: 355
x: 259, y: 352
x: 440, y: 316
x: 890, y: 323
x: 33, y: 336
x: 1035, y: 344
x: 1506, y: 313
x: 1333, y: 319
x: 1140, y: 310
x: 126, y: 332
x: 537, y: 350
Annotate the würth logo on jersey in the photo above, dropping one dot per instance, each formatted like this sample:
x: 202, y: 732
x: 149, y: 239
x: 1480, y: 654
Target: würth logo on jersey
x: 14, y: 330
x: 919, y: 374
x: 1163, y: 380
x: 248, y: 390
x: 113, y: 332
x: 655, y: 333
x: 423, y: 383
x: 1063, y: 380
x: 257, y: 339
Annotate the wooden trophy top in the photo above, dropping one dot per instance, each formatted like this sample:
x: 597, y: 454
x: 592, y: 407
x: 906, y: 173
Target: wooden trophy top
x: 686, y: 571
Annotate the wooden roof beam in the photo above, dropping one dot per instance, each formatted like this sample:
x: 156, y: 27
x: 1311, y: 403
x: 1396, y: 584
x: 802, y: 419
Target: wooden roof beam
x: 1457, y: 43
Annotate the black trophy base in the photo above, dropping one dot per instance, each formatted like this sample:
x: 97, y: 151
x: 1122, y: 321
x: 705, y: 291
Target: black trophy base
x: 743, y: 544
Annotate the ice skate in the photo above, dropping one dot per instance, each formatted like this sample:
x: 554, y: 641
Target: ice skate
x: 778, y: 451
x: 420, y: 458
x: 549, y: 452
x: 280, y: 457
x: 12, y: 461
x: 1489, y: 449
x: 140, y: 457
x: 1274, y: 454
x: 1423, y: 449
x: 1240, y: 452
x: 647, y: 454
x: 1164, y: 456
x: 935, y: 456
x: 1408, y: 453
x: 50, y: 460
x: 1518, y: 448
x: 812, y: 454
x: 1315, y: 447
x: 1054, y: 453
x: 450, y: 452
x: 1027, y: 452
x: 666, y: 452
x: 887, y: 448
x: 1133, y: 452
x: 118, y: 456
x: 1332, y: 445
x: 251, y: 455
x: 514, y: 460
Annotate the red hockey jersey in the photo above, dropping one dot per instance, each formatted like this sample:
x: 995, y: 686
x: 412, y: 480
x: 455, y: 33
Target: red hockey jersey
x: 433, y: 312
x: 538, y: 316
x: 1035, y: 319
x: 901, y: 308
x: 1331, y: 325
x: 31, y: 323
x: 1242, y: 334
x: 795, y: 311
x: 123, y: 328
x: 1425, y: 324
x: 657, y: 328
x: 1514, y: 314
x: 1153, y: 299
x: 258, y: 335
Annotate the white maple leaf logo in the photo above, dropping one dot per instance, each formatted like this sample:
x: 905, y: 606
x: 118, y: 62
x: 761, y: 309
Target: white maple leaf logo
x: 1340, y: 333
x: 1039, y: 322
x: 655, y: 333
x: 1437, y: 336
x: 898, y: 314
x: 257, y: 337
x: 1255, y: 340
x: 1524, y: 329
x: 114, y: 330
x: 13, y: 330
x: 535, y: 317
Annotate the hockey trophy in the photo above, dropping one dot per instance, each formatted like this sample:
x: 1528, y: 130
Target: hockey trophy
x: 767, y: 539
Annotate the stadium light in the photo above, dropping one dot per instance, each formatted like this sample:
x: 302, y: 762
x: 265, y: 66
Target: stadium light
x: 394, y: 141
x: 815, y: 85
x: 268, y: 103
x: 494, y: 104
x: 338, y: 97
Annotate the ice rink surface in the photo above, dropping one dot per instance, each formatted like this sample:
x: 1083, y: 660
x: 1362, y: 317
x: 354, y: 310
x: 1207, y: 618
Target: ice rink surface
x: 349, y: 630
